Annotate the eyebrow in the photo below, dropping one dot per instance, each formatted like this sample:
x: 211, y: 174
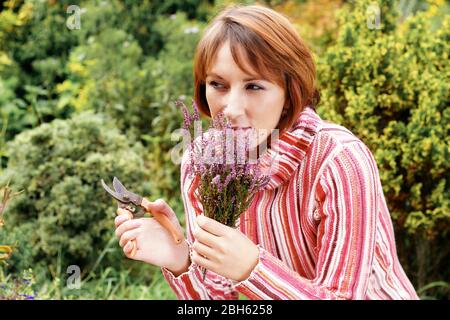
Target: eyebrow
x: 246, y: 79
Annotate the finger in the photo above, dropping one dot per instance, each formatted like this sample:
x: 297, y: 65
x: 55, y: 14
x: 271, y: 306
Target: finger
x: 130, y: 249
x: 121, y: 219
x: 166, y: 217
x: 128, y: 236
x: 121, y: 211
x: 212, y: 226
x: 203, y: 250
x: 160, y: 206
x: 127, y: 226
x: 201, y: 261
x: 206, y: 238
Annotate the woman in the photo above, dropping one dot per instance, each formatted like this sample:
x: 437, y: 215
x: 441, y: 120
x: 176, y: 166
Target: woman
x: 321, y: 228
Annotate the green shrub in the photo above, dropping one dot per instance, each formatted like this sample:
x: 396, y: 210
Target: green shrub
x: 39, y: 56
x: 17, y: 288
x: 59, y: 166
x: 390, y: 87
x: 173, y: 75
x: 12, y: 287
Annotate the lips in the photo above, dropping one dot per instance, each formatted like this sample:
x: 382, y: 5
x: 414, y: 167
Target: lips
x: 241, y: 128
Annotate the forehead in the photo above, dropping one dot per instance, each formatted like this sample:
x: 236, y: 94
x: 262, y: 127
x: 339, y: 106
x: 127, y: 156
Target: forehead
x: 224, y: 62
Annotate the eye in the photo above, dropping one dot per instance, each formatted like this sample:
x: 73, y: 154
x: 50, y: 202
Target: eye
x: 251, y: 86
x: 255, y: 86
x: 213, y: 84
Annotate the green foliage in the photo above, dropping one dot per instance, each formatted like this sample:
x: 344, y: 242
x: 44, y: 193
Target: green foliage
x: 22, y: 254
x: 128, y: 61
x: 105, y: 75
x: 135, y: 281
x: 17, y: 288
x: 43, y: 75
x: 12, y: 287
x: 112, y: 284
x: 173, y: 75
x: 34, y: 44
x: 60, y: 172
x: 390, y: 87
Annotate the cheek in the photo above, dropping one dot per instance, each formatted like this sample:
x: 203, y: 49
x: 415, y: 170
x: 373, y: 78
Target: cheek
x: 266, y: 113
x: 212, y: 101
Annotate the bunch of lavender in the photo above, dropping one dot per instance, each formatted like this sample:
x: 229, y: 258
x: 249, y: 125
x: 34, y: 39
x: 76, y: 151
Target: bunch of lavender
x: 229, y: 177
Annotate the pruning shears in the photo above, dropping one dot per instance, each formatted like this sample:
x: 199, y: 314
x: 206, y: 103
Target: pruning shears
x: 133, y: 203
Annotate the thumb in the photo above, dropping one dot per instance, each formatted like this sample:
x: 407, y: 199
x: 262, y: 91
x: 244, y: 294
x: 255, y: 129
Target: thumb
x: 161, y: 206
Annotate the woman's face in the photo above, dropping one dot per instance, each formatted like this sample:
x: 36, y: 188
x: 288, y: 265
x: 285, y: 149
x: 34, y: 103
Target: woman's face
x: 246, y: 100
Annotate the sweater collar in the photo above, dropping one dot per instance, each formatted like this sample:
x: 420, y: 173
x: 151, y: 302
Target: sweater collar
x: 287, y: 152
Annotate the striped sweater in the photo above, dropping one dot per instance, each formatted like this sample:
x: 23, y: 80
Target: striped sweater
x: 322, y: 225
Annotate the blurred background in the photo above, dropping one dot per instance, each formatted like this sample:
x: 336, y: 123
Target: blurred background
x: 87, y: 91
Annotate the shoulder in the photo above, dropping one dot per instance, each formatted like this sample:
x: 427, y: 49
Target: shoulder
x: 333, y: 141
x: 335, y: 135
x: 338, y: 151
x: 350, y: 164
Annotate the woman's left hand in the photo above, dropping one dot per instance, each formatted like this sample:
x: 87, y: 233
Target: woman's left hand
x: 223, y: 250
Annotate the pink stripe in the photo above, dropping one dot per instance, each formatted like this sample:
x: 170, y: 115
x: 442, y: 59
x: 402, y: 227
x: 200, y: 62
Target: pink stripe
x: 344, y: 251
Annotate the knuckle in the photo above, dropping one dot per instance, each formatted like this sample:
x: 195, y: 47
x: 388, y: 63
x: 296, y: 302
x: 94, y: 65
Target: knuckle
x: 160, y: 204
x: 221, y: 247
x: 122, y: 241
x: 220, y: 258
x: 195, y: 257
x: 161, y: 201
x: 195, y: 245
x: 202, y: 222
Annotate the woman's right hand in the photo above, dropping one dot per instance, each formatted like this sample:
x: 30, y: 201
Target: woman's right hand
x: 155, y: 245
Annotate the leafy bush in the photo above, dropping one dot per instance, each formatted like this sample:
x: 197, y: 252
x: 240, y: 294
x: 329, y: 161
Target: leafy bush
x: 40, y: 59
x: 12, y: 287
x: 34, y: 44
x: 389, y: 85
x: 59, y: 166
x: 17, y: 288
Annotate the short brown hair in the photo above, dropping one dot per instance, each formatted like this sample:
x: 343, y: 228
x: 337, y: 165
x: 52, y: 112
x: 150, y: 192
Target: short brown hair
x: 271, y: 45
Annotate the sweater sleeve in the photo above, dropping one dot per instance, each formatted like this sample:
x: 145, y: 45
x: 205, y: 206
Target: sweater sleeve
x: 190, y: 284
x: 347, y: 193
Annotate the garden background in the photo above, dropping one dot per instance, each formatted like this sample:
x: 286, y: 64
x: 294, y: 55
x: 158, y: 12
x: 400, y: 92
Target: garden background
x: 91, y: 98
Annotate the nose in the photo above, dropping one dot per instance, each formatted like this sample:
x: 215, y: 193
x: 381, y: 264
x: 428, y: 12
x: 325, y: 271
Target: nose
x: 234, y: 108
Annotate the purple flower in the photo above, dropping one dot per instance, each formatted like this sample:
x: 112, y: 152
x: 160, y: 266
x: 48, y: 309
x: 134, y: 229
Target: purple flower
x: 216, y: 180
x: 219, y: 158
x: 227, y: 179
x: 27, y: 297
x: 196, y: 116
